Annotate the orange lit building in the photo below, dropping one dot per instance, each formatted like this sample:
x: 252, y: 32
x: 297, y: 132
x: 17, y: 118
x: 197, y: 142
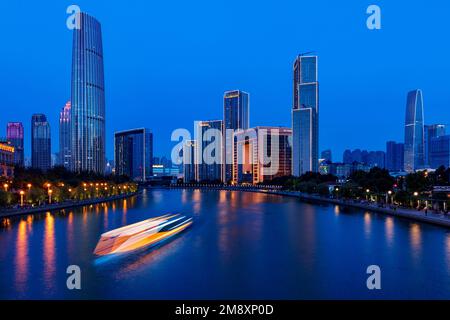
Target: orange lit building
x: 6, y: 160
x: 261, y: 154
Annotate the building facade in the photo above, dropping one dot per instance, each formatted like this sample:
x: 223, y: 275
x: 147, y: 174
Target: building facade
x: 14, y: 134
x: 209, y: 150
x: 432, y: 131
x: 262, y: 154
x: 395, y: 153
x: 7, y: 160
x: 305, y: 116
x: 41, y: 152
x: 189, y: 166
x: 88, y: 98
x: 414, y: 132
x: 235, y: 117
x: 133, y: 153
x: 65, y: 148
x: 440, y: 152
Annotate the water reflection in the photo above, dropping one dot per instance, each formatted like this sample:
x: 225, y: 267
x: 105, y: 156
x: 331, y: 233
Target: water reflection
x: 416, y: 241
x: 49, y: 252
x: 367, y: 225
x: 21, y: 260
x: 389, y: 230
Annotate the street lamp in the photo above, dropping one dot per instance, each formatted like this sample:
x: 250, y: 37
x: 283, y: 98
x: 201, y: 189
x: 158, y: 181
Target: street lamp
x: 21, y: 197
x: 367, y: 196
x: 50, y: 191
x: 6, y: 187
x: 416, y: 194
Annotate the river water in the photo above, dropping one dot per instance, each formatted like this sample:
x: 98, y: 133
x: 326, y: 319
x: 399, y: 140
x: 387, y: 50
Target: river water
x: 242, y: 245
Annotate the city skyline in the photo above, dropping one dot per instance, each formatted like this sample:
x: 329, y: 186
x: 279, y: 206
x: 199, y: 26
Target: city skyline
x: 333, y: 138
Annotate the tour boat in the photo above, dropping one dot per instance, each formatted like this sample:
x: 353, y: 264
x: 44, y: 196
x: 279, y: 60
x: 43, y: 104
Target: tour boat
x: 142, y: 234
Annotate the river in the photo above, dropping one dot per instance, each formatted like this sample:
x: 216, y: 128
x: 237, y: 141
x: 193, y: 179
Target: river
x: 242, y: 245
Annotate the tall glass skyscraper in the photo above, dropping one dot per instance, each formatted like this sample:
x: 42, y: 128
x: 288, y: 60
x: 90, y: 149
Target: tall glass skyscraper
x: 14, y: 134
x: 64, y: 136
x: 209, y: 167
x: 305, y: 116
x: 88, y: 98
x: 40, y: 143
x: 133, y: 153
x: 414, y: 132
x: 235, y: 117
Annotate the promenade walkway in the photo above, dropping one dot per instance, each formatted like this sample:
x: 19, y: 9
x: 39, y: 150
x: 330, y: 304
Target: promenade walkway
x: 59, y: 206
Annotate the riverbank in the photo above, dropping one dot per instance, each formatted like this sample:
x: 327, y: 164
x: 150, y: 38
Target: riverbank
x: 60, y: 206
x: 431, y: 218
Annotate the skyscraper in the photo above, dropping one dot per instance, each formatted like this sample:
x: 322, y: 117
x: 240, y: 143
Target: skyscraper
x: 14, y: 134
x: 305, y: 116
x: 395, y: 154
x: 40, y: 142
x: 64, y: 137
x: 133, y: 150
x: 209, y: 133
x: 189, y: 167
x: 414, y: 132
x: 88, y: 97
x: 262, y: 154
x: 235, y: 117
x: 432, y: 131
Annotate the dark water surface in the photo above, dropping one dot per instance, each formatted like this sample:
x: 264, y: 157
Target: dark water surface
x: 241, y: 246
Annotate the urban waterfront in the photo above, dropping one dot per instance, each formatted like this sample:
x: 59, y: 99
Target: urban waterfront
x: 242, y: 245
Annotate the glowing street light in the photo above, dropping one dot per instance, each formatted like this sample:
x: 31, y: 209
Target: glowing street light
x: 21, y: 197
x: 29, y: 186
x: 6, y: 187
x: 50, y: 191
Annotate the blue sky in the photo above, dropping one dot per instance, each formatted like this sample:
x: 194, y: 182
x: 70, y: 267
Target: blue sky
x: 167, y: 63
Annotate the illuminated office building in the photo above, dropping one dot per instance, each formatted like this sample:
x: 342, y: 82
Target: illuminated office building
x: 235, y: 117
x: 133, y: 151
x: 414, y: 132
x: 88, y: 98
x: 262, y: 154
x: 40, y: 142
x: 305, y: 116
x: 14, y: 134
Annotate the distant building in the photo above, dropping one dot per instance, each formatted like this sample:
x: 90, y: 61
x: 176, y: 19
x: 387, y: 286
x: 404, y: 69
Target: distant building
x: 235, y: 117
x: 347, y: 157
x: 364, y: 157
x: 65, y: 137
x: 6, y: 160
x: 326, y: 155
x: 262, y: 154
x: 40, y: 143
x: 209, y: 133
x: 394, y: 156
x: 134, y: 153
x: 14, y: 134
x: 305, y: 116
x: 440, y: 151
x: 376, y: 159
x: 189, y: 167
x: 432, y: 131
x: 414, y: 132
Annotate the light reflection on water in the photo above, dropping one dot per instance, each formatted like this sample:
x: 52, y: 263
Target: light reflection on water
x: 242, y: 245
